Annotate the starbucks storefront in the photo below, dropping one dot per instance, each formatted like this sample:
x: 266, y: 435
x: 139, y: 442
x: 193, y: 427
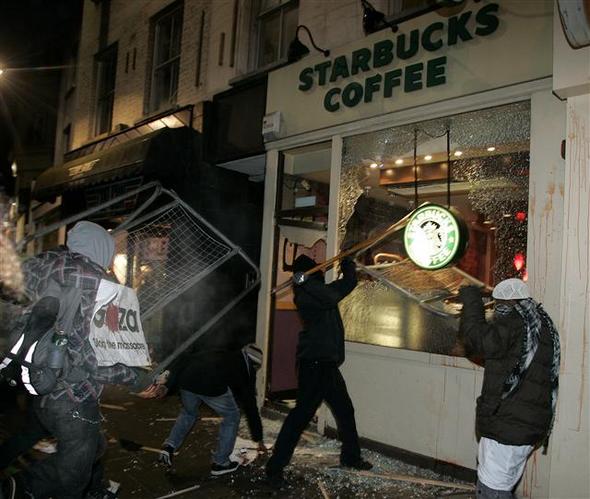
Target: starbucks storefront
x: 456, y: 112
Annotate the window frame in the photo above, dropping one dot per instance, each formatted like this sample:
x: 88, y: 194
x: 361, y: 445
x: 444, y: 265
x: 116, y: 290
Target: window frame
x: 283, y: 6
x: 175, y: 11
x: 108, y: 56
x: 396, y: 13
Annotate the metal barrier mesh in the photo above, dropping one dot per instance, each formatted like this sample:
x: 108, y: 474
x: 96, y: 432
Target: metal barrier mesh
x: 165, y: 254
x: 425, y: 284
x: 431, y: 289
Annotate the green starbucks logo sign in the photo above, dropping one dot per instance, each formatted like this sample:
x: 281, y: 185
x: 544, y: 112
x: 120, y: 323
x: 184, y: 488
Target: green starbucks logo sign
x: 434, y: 237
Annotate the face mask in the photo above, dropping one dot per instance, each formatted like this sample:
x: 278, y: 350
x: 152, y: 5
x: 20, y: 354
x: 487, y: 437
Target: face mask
x: 502, y: 309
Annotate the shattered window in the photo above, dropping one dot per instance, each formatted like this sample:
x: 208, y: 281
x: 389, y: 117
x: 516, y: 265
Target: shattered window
x: 477, y: 164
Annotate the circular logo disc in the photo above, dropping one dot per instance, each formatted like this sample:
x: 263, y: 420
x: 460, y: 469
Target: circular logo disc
x: 432, y: 237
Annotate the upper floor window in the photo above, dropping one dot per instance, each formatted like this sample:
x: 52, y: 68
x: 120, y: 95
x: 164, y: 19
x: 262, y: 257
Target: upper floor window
x: 277, y: 23
x: 106, y: 73
x: 166, y: 36
x: 402, y: 8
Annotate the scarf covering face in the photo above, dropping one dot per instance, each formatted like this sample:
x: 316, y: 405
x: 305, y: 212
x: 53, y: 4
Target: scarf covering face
x: 533, y: 315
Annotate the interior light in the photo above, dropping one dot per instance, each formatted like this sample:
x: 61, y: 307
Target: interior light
x: 373, y: 165
x: 389, y: 172
x: 120, y: 267
x: 399, y: 161
x: 518, y: 261
x: 458, y: 153
x: 487, y: 222
x: 428, y: 157
x: 491, y: 149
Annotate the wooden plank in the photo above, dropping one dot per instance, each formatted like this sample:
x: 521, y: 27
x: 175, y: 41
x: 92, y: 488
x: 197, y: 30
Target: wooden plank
x: 323, y: 490
x: 411, y: 479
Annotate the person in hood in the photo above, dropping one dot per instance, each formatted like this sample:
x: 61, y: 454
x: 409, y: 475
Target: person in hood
x: 516, y: 408
x: 224, y: 380
x: 71, y: 412
x: 320, y: 354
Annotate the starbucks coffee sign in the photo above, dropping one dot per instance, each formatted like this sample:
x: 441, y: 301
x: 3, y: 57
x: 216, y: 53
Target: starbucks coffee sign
x: 434, y: 237
x: 383, y: 62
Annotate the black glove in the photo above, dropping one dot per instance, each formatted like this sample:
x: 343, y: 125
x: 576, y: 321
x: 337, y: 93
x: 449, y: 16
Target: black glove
x: 347, y: 265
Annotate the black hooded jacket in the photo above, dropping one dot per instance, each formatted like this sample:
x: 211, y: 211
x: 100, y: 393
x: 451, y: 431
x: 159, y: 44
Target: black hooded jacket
x: 523, y: 418
x: 212, y: 373
x: 317, y: 303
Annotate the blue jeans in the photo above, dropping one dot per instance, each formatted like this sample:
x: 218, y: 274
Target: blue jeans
x: 485, y: 492
x: 224, y: 405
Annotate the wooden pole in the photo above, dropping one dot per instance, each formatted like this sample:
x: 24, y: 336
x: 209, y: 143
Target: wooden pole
x: 180, y: 492
x: 357, y: 248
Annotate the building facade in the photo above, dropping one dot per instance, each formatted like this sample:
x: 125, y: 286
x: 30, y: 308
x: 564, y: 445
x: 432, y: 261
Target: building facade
x: 478, y: 88
x: 482, y: 107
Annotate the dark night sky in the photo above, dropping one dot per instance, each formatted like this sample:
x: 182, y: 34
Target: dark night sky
x: 33, y: 33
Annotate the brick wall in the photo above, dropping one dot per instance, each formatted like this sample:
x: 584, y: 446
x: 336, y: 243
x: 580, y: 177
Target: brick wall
x: 332, y: 23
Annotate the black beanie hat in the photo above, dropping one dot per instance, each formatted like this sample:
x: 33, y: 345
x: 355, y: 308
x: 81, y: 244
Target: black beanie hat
x: 303, y: 263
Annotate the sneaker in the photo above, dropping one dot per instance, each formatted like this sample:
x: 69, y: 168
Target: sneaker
x: 222, y: 469
x: 106, y: 492
x: 46, y: 446
x: 361, y: 464
x: 165, y: 456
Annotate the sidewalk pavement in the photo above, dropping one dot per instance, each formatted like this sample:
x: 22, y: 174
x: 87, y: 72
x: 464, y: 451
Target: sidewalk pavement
x: 313, y: 473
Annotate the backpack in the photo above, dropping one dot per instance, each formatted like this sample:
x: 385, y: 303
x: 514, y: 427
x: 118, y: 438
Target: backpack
x: 38, y: 355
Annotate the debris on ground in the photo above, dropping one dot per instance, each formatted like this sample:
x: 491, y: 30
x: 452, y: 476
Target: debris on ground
x: 314, y: 472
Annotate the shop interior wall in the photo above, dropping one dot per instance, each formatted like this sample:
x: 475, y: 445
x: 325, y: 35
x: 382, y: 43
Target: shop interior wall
x: 425, y: 403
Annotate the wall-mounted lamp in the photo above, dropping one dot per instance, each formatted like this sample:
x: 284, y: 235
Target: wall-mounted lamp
x: 297, y: 50
x: 374, y: 20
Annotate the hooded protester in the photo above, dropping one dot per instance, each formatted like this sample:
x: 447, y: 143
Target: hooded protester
x: 70, y: 413
x: 516, y: 408
x: 320, y: 353
x: 225, y: 381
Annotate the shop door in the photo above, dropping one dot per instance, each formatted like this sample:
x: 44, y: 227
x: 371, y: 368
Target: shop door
x: 302, y: 217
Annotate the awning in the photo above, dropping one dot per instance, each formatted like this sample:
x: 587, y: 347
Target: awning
x: 164, y: 155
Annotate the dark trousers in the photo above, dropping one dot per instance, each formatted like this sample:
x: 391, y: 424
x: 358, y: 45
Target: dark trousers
x: 23, y: 440
x: 80, y: 443
x: 317, y: 382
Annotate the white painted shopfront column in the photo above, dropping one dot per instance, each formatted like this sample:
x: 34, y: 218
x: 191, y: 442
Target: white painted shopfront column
x: 567, y: 476
x: 570, y: 450
x: 545, y: 237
